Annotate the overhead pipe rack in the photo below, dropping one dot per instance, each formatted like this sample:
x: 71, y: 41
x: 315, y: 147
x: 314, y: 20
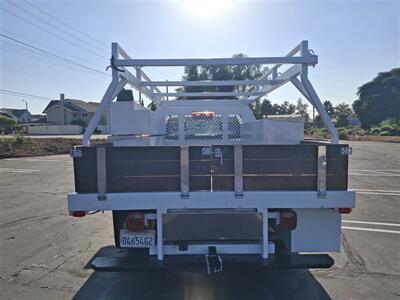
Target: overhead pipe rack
x: 299, y: 59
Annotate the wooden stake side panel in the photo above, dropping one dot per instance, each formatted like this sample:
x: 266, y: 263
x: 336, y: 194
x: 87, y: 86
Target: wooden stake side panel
x: 157, y: 169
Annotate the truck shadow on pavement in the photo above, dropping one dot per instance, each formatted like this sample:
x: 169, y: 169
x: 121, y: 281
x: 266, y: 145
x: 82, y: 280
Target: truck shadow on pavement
x: 251, y: 284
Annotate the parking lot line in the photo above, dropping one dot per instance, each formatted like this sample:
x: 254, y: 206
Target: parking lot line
x: 12, y: 170
x: 371, y: 229
x: 370, y: 223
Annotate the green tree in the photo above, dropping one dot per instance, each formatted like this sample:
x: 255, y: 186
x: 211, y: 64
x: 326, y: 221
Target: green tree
x: 301, y: 109
x: 256, y: 108
x: 193, y: 73
x: 267, y: 107
x: 342, y: 113
x: 379, y: 99
x: 7, y: 124
x: 285, y: 108
x: 329, y: 108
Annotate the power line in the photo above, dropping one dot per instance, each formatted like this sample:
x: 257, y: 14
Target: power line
x: 52, y: 54
x: 45, y: 59
x: 41, y: 44
x: 56, y: 27
x: 15, y: 93
x: 52, y: 33
x: 66, y: 24
x: 38, y: 75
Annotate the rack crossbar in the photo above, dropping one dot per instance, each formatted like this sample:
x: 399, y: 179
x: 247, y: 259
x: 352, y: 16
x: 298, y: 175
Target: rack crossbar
x: 211, y: 94
x: 308, y: 60
x: 209, y: 83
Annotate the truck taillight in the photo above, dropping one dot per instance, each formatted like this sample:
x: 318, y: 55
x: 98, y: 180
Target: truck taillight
x: 288, y: 220
x: 77, y: 213
x: 135, y: 221
x: 344, y: 210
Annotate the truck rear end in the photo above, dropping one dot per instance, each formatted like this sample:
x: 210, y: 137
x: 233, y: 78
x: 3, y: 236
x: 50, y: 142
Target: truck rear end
x: 202, y: 182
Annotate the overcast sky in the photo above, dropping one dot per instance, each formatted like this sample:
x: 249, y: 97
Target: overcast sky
x: 353, y: 39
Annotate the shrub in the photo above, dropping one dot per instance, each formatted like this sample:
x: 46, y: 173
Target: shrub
x: 20, y: 139
x: 375, y: 130
x: 356, y: 131
x: 385, y: 133
x: 386, y: 128
x: 343, y: 133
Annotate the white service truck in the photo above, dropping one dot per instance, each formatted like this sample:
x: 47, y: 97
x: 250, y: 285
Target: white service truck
x: 203, y: 182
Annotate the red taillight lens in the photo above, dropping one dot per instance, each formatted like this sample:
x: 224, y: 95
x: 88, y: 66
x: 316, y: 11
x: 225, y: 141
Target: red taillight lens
x: 78, y: 213
x: 135, y: 221
x: 288, y: 220
x: 344, y: 210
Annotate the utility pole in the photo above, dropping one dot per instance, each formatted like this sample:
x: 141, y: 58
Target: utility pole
x: 62, y: 102
x: 313, y: 116
x: 26, y: 104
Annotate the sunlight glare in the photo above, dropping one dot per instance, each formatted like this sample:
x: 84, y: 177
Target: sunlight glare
x: 208, y: 8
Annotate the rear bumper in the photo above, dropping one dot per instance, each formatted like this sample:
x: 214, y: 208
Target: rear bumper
x: 318, y: 227
x: 197, y: 263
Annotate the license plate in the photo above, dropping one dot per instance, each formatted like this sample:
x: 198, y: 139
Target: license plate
x: 145, y: 239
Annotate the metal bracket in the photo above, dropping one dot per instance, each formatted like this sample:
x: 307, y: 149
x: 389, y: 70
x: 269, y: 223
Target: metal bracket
x: 184, y: 171
x: 75, y: 152
x: 214, y: 261
x: 346, y: 151
x: 101, y: 173
x: 207, y: 151
x: 113, y: 65
x: 238, y: 167
x: 321, y: 180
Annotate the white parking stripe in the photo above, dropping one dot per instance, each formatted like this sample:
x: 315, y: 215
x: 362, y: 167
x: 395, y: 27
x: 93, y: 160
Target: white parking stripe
x: 377, y: 192
x: 370, y: 223
x: 371, y: 229
x: 372, y: 193
x: 387, y: 170
x: 9, y: 170
x: 375, y: 174
x: 38, y: 160
x: 383, y: 191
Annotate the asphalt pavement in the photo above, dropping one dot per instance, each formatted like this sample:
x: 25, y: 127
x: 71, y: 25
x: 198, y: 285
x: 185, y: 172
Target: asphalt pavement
x: 46, y: 254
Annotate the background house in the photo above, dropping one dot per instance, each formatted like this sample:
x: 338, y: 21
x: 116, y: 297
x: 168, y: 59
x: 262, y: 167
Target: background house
x: 19, y: 115
x: 72, y: 111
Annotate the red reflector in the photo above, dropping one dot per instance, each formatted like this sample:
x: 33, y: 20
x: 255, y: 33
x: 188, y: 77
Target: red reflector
x: 209, y: 114
x: 135, y: 221
x: 78, y: 213
x: 288, y: 220
x: 344, y: 210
